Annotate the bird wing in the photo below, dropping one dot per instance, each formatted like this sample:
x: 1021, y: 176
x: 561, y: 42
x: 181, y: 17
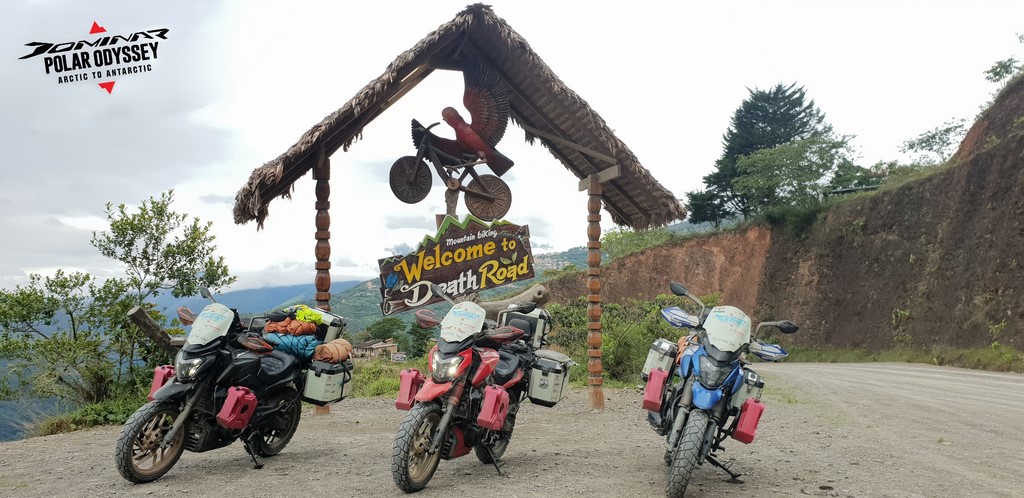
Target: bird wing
x: 445, y: 145
x: 486, y: 99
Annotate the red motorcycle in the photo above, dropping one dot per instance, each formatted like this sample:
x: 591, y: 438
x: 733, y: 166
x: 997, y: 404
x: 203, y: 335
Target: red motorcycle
x: 479, y: 374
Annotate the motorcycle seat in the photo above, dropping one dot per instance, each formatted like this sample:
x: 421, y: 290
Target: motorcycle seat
x: 276, y: 366
x: 506, y: 368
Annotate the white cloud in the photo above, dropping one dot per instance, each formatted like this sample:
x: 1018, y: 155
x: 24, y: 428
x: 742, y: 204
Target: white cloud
x: 237, y: 83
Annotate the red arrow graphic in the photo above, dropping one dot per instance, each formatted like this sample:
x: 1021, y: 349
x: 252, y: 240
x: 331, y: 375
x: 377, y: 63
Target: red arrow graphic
x: 108, y: 86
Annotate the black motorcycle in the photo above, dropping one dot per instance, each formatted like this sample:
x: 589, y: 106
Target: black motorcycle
x: 226, y: 384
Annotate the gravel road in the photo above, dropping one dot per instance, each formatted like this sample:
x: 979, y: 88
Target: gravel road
x: 829, y: 430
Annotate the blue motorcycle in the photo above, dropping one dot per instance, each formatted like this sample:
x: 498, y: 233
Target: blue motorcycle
x: 716, y: 396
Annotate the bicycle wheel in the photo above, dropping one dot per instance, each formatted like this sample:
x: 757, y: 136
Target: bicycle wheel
x: 488, y: 197
x: 410, y: 179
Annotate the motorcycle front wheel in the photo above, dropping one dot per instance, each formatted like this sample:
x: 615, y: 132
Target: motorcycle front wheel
x: 412, y: 465
x: 139, y: 455
x: 684, y: 460
x: 274, y: 438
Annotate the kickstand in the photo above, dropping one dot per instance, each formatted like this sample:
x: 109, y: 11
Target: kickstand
x: 733, y: 476
x: 493, y: 460
x: 252, y: 454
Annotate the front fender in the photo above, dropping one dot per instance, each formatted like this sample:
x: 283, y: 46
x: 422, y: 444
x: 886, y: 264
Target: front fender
x: 172, y: 390
x: 705, y: 398
x: 432, y: 390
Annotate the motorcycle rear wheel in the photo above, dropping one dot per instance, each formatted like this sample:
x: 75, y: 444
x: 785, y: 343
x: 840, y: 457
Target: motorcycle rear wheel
x: 273, y: 440
x: 497, y: 450
x: 138, y: 456
x: 688, y: 451
x: 412, y: 465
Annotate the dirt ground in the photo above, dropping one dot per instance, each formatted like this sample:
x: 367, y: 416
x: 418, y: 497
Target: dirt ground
x: 860, y: 430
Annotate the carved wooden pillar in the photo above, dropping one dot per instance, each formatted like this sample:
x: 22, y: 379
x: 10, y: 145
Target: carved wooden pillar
x: 322, y: 250
x: 322, y: 281
x: 594, y: 380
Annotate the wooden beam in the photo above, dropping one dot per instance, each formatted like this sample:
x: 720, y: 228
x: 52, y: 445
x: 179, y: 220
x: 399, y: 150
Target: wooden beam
x: 602, y: 177
x: 604, y: 157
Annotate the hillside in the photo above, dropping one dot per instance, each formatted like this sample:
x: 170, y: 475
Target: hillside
x: 254, y: 300
x: 935, y: 262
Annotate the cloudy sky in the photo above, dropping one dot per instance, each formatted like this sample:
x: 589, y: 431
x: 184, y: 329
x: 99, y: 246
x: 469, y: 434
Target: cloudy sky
x: 236, y: 83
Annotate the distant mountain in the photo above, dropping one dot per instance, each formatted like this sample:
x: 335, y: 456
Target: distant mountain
x: 250, y: 301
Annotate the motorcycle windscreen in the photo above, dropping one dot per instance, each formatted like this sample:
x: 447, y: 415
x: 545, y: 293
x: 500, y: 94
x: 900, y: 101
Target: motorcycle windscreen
x: 727, y: 328
x: 464, y: 320
x: 212, y: 323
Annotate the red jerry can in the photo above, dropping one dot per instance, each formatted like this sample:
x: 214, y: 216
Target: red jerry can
x: 494, y: 408
x: 409, y: 383
x: 237, y: 409
x: 655, y: 389
x: 161, y: 375
x: 750, y: 414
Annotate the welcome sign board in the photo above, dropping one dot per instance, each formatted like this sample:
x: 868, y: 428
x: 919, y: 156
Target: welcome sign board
x: 462, y: 258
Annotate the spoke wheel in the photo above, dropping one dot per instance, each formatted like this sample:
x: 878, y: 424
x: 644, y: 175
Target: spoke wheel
x: 488, y: 197
x: 139, y: 455
x: 412, y: 465
x: 273, y: 439
x: 410, y: 179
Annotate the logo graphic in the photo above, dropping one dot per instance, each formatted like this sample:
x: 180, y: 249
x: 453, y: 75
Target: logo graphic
x: 100, y: 58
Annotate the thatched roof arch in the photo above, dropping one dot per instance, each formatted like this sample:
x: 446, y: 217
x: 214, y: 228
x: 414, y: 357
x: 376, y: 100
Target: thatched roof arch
x: 543, y: 106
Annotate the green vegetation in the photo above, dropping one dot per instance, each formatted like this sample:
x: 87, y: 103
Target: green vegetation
x: 766, y: 119
x: 380, y: 377
x: 114, y: 411
x: 68, y: 336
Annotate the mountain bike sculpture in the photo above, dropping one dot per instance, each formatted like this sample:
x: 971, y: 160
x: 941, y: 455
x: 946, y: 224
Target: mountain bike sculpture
x: 487, y: 196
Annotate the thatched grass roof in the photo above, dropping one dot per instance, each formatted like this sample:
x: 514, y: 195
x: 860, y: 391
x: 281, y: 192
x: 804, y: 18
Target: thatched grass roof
x: 549, y: 111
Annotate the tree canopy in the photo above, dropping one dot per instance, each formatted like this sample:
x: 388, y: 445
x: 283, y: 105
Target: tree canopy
x: 766, y: 119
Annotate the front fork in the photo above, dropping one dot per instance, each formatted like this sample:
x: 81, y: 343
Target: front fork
x: 190, y: 403
x: 684, y: 401
x: 454, y: 396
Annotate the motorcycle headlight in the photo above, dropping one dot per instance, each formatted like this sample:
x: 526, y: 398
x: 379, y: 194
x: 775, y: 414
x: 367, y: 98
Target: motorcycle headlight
x: 184, y: 369
x: 713, y: 374
x: 444, y: 369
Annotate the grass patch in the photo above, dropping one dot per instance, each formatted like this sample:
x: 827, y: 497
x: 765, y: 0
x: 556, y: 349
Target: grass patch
x: 380, y: 377
x: 110, y: 412
x: 997, y: 358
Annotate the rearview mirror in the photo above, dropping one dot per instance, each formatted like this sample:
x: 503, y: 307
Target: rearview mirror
x: 203, y: 291
x: 438, y: 291
x: 678, y: 288
x: 786, y: 326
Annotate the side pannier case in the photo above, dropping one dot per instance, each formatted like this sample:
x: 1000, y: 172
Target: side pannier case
x: 661, y: 355
x: 748, y: 386
x: 327, y: 382
x: 549, y: 378
x: 536, y: 323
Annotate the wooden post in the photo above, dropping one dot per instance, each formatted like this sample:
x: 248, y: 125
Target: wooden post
x: 595, y: 379
x: 322, y: 281
x: 592, y: 184
x: 153, y: 330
